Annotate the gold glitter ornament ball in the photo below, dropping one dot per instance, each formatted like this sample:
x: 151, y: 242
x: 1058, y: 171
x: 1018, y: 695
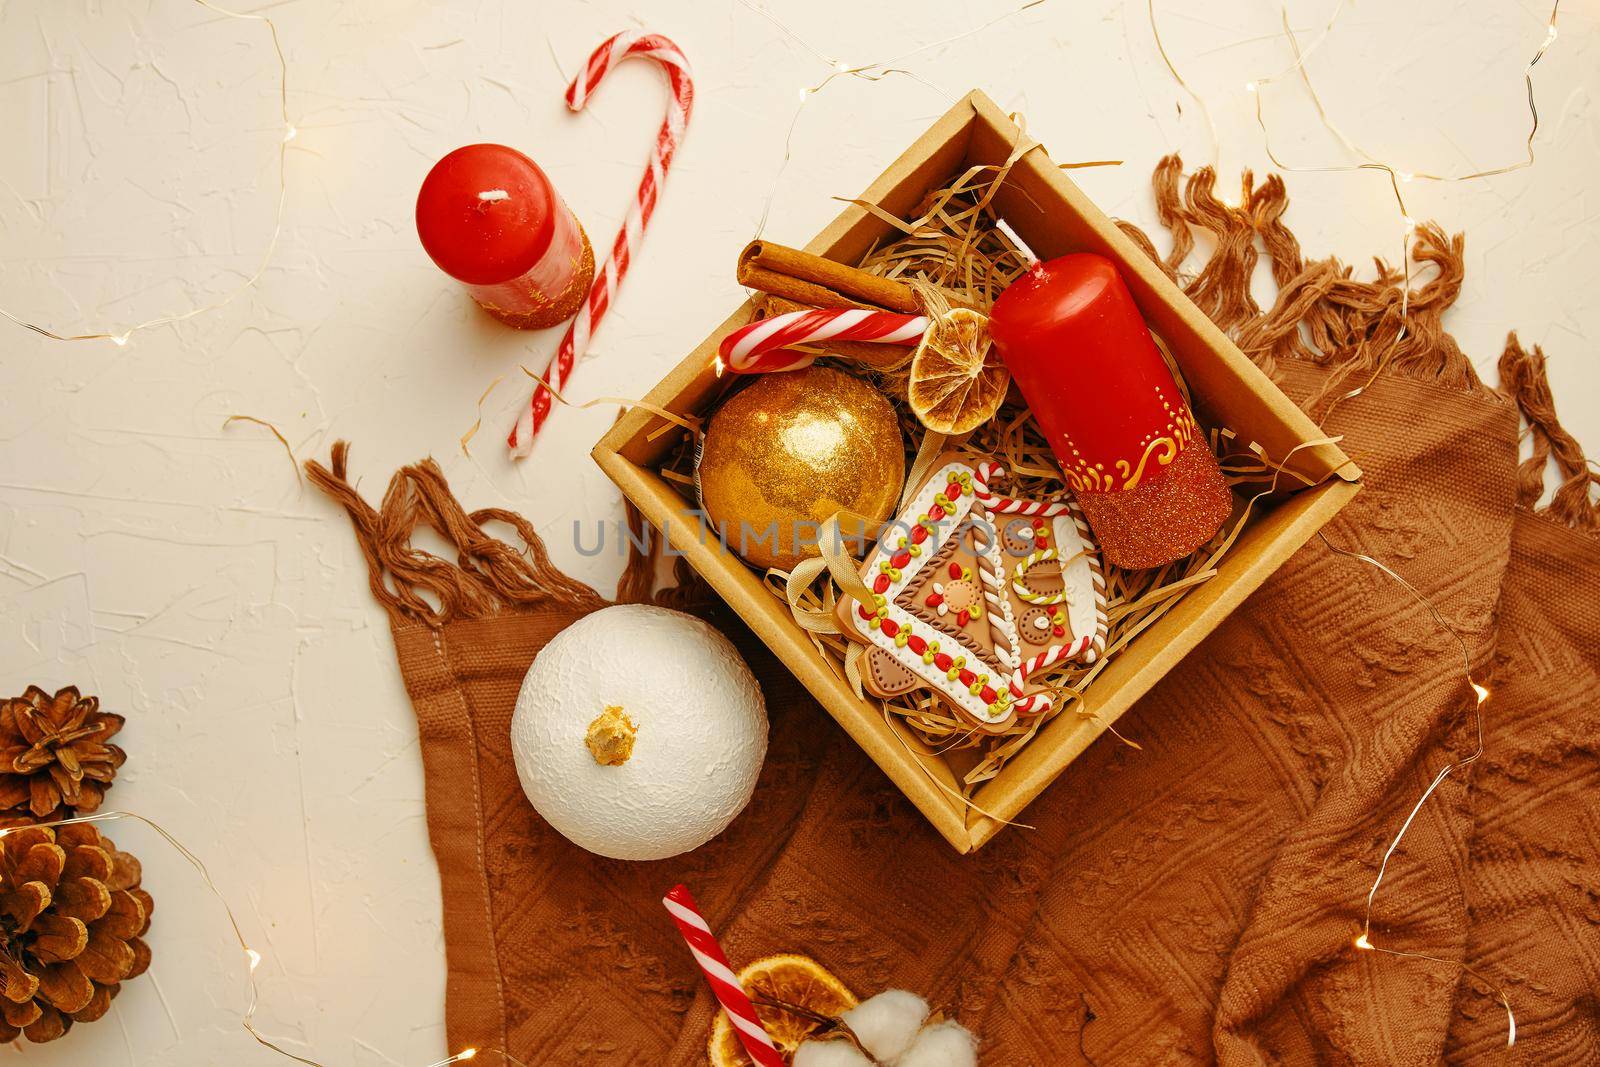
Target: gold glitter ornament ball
x: 783, y: 455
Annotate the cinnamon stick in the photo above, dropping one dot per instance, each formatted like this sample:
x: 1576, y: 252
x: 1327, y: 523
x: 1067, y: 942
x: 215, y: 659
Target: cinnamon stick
x: 819, y: 282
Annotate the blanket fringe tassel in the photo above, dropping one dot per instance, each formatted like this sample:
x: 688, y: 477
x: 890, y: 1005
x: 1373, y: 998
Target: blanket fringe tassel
x: 489, y: 575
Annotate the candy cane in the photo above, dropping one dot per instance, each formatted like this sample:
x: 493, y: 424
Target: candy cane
x: 744, y: 349
x: 1051, y: 656
x: 1089, y: 646
x: 1002, y: 626
x: 671, y: 59
x: 724, y: 983
x: 987, y: 472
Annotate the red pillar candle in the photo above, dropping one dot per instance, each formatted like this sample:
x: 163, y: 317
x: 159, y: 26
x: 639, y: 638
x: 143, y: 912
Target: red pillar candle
x: 1128, y: 445
x: 490, y: 219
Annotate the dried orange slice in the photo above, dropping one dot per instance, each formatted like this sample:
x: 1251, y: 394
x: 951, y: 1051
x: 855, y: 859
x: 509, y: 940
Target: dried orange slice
x: 957, y: 378
x: 798, y: 980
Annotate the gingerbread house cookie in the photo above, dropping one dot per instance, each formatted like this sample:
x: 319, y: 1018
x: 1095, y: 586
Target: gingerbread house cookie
x: 976, y: 594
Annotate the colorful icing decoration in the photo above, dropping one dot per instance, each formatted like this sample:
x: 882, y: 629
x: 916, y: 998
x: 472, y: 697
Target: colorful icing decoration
x: 981, y: 608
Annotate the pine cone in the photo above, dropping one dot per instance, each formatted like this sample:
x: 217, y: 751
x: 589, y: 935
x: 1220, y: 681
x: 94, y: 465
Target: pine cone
x: 55, y: 760
x: 71, y: 916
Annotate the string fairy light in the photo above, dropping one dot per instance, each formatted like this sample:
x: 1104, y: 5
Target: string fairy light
x: 120, y: 337
x: 870, y: 72
x: 252, y: 958
x: 1363, y: 941
x: 1395, y: 176
x: 873, y: 72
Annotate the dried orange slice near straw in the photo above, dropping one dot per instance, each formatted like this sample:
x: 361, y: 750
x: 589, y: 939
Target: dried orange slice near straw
x: 797, y: 980
x: 957, y: 379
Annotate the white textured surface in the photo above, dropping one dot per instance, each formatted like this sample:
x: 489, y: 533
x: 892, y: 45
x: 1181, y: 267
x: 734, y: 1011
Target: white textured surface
x: 701, y: 732
x: 179, y: 571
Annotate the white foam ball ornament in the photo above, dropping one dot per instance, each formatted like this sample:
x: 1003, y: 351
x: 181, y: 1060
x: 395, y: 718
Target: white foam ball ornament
x: 639, y: 732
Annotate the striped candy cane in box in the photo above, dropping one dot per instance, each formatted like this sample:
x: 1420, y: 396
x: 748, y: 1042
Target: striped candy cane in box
x: 762, y: 347
x: 1091, y: 643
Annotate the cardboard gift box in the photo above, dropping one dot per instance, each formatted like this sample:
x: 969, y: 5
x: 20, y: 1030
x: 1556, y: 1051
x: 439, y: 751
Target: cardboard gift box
x: 1054, y: 217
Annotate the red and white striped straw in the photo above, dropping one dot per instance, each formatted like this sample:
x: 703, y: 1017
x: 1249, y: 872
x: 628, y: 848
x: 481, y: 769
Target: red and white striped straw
x: 623, y: 46
x: 724, y: 983
x: 760, y: 347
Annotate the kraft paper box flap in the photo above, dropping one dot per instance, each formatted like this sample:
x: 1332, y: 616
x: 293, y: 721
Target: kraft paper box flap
x: 1054, y: 217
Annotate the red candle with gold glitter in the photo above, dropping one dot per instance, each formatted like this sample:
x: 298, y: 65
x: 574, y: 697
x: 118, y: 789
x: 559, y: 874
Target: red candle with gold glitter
x: 490, y: 219
x: 1127, y: 442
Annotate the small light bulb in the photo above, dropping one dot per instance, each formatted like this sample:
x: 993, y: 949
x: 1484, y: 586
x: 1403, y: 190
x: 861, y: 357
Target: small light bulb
x: 467, y: 1054
x: 1250, y: 87
x: 840, y: 65
x: 254, y: 957
x: 1405, y: 175
x: 1411, y: 223
x: 718, y: 366
x: 290, y: 134
x: 120, y: 340
x: 1483, y: 694
x: 804, y: 92
x: 1363, y: 943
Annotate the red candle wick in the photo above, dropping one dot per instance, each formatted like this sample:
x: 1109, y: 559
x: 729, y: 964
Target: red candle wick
x: 489, y: 197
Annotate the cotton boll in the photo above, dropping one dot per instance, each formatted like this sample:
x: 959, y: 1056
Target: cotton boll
x: 887, y: 1023
x: 830, y: 1054
x: 947, y: 1044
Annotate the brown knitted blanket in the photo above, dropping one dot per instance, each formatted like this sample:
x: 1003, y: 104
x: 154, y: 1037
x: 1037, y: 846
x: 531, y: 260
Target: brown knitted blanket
x: 1191, y: 901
